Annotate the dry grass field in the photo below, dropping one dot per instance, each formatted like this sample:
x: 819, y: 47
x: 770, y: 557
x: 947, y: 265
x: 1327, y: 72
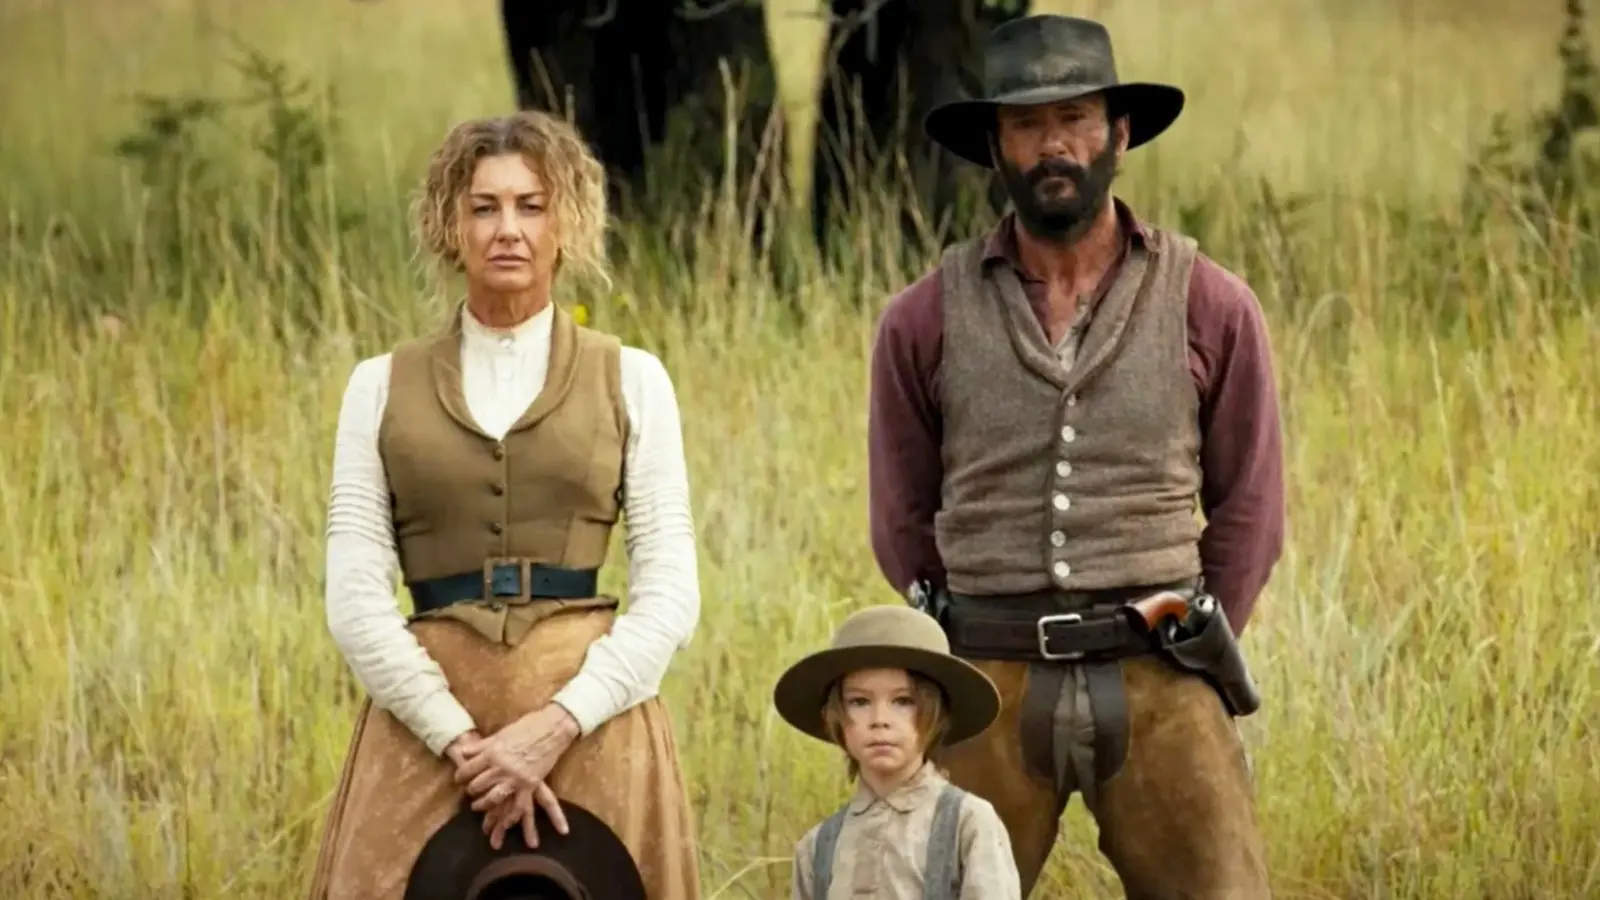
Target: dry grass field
x: 173, y: 714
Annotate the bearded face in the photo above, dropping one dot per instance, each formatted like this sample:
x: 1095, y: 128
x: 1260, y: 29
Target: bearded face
x: 1056, y: 197
x: 1057, y: 165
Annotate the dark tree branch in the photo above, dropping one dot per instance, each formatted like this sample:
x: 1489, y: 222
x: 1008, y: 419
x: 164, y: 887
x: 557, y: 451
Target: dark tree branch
x: 604, y: 17
x: 692, y: 12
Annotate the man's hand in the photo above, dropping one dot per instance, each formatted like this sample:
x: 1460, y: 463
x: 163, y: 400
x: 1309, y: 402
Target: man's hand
x: 516, y: 758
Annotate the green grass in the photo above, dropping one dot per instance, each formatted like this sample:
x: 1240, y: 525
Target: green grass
x: 173, y: 715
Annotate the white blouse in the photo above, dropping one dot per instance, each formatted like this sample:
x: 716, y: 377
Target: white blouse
x: 503, y: 370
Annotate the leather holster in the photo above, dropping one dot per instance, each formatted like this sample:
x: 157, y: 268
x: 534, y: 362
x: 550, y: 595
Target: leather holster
x: 1214, y: 654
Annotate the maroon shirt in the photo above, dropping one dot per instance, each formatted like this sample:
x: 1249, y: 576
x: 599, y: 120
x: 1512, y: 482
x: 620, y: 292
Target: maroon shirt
x: 1241, y: 453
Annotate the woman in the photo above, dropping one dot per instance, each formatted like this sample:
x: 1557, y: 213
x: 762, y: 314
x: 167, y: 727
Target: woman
x: 487, y: 464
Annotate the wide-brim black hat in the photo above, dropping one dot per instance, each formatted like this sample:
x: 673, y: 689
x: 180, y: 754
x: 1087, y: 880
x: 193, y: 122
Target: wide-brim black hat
x: 589, y: 862
x: 1047, y: 59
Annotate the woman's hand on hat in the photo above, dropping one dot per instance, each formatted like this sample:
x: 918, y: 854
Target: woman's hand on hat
x: 519, y: 811
x: 456, y: 751
x: 518, y: 757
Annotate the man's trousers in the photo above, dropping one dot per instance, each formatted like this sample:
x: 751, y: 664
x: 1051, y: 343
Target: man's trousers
x: 1176, y: 815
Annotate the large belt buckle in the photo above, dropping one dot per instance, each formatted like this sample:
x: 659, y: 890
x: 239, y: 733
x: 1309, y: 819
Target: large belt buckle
x: 524, y: 591
x: 1044, y: 643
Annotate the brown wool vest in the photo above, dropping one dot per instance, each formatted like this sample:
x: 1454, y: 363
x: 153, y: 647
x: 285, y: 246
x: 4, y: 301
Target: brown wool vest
x: 1082, y: 479
x: 550, y: 491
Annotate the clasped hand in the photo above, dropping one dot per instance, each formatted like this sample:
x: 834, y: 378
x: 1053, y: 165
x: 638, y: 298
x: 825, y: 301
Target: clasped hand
x: 505, y: 773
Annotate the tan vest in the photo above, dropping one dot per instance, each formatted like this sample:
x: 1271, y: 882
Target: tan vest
x: 550, y: 491
x: 1082, y: 479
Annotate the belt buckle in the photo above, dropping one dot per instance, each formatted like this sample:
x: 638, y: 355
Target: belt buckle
x: 1044, y: 650
x: 524, y: 580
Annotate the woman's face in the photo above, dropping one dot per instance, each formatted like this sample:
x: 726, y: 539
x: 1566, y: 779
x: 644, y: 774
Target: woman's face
x: 508, y: 233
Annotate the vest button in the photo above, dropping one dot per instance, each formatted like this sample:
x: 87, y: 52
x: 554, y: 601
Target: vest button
x: 1058, y: 539
x: 499, y: 451
x: 1068, y: 433
x: 496, y: 527
x: 1061, y: 569
x: 1063, y: 468
x: 1062, y: 502
x: 498, y: 488
x: 1072, y: 399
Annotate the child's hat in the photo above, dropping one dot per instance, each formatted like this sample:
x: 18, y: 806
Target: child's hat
x: 890, y: 636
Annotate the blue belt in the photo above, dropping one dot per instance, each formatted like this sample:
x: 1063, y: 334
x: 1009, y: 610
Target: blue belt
x: 505, y: 579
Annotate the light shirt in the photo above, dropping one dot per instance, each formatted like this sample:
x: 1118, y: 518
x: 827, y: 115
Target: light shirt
x: 883, y: 846
x: 503, y: 371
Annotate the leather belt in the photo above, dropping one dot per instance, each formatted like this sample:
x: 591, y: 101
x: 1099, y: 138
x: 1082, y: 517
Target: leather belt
x: 1044, y: 630
x: 1059, y: 637
x: 505, y: 579
x: 981, y: 628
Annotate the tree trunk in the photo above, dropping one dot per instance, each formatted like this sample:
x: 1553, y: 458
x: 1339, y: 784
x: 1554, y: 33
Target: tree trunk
x: 889, y: 72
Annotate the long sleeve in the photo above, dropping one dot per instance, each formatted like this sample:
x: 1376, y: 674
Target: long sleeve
x: 1241, y: 456
x: 904, y: 429
x: 989, y: 872
x: 626, y: 667
x: 801, y: 887
x: 501, y: 375
x: 362, y: 565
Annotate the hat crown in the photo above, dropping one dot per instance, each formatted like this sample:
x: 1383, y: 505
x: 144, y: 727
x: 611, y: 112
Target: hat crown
x: 896, y: 626
x: 887, y: 636
x: 1044, y: 51
x: 590, y: 860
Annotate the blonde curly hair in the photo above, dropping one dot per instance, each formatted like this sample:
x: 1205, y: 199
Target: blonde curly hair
x: 554, y: 149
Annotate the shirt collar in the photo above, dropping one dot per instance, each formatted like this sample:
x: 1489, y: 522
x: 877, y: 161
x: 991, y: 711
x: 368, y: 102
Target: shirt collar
x: 902, y: 799
x: 1001, y: 243
x: 529, y: 334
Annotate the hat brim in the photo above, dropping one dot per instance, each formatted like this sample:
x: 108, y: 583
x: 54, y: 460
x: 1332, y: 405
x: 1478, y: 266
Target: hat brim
x: 963, y: 126
x: 458, y: 854
x: 972, y: 700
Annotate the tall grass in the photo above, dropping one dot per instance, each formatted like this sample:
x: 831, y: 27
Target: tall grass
x: 173, y: 715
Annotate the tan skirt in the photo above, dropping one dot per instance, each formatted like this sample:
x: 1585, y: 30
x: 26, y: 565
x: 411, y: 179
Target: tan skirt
x: 393, y: 793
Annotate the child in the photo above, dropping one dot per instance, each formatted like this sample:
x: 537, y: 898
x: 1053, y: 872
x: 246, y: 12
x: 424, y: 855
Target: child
x: 889, y: 692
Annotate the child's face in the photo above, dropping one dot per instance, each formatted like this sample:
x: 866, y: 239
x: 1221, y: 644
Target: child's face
x: 880, y: 720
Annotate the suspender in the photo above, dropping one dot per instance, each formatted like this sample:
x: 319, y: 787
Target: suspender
x: 941, y: 873
x: 941, y: 870
x: 822, y: 856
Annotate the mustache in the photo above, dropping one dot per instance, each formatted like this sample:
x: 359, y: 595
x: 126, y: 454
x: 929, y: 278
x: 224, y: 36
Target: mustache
x: 1056, y: 168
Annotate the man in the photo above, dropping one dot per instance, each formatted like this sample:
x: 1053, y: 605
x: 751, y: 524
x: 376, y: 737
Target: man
x: 1045, y: 407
